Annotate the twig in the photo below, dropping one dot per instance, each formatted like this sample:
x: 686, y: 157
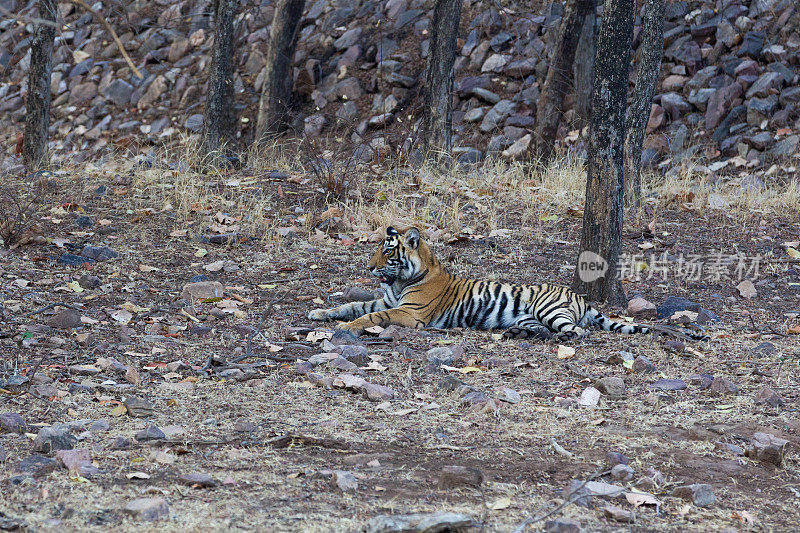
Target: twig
x: 35, y: 368
x: 108, y: 27
x: 575, y: 497
x: 268, y: 311
x: 560, y: 449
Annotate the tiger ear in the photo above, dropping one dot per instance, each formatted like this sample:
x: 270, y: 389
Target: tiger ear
x: 391, y: 231
x: 412, y: 238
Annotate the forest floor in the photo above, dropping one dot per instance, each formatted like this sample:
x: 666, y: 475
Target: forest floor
x: 262, y: 444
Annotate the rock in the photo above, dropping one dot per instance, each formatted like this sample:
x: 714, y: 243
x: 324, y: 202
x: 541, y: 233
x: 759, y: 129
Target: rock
x: 622, y: 472
x: 201, y: 290
x: 616, y: 458
x: 99, y: 253
x: 767, y: 396
x: 357, y: 294
x: 348, y: 39
x: 378, y: 393
x: 83, y: 92
x: 441, y: 355
x: 12, y: 423
x: 37, y: 465
x: 611, y: 386
x: 674, y: 105
x: 420, y: 523
x: 485, y: 95
x: 642, y: 365
x: 674, y: 346
x: 77, y: 462
x: 148, y: 509
x: 73, y: 260
x: 453, y: 477
x: 786, y: 146
x: 348, y: 112
x: 508, y: 395
x: 496, y: 115
x: 641, y: 308
x: 673, y: 304
x: 139, y: 407
x: 767, y: 448
x: 119, y: 92
x: 66, y: 319
x: 197, y: 480
x: 50, y: 439
x: 668, y: 384
x: 617, y: 513
x: 519, y: 148
x: 752, y: 44
x: 521, y: 68
x: 312, y: 126
x: 495, y: 63
x: 589, y: 397
x: 562, y: 525
x: 150, y: 433
x: 720, y: 385
x: 99, y: 425
x: 764, y: 83
x: 347, y: 89
x: 344, y: 481
x: 474, y: 115
x: 719, y: 103
x: 194, y: 122
x: 699, y: 494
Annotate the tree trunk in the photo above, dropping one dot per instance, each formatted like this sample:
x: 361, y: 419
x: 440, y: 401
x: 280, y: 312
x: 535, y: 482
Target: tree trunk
x: 274, y: 105
x: 602, y: 215
x: 219, y: 120
x: 583, y: 68
x: 651, y: 51
x: 437, y: 121
x: 556, y: 83
x: 37, y: 105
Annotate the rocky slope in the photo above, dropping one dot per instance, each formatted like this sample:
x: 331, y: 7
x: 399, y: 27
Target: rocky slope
x: 729, y: 90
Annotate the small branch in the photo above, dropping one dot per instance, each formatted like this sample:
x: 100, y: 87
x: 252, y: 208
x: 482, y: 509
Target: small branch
x: 108, y: 27
x: 559, y: 449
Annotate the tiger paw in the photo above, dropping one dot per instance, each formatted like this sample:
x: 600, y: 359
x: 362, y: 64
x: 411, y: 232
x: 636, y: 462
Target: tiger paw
x: 318, y: 314
x: 350, y: 327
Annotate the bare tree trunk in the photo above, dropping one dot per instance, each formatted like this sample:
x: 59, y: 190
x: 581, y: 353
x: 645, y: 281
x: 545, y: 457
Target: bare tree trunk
x: 274, y: 105
x: 437, y: 121
x: 556, y: 85
x: 583, y: 68
x: 651, y: 51
x: 219, y: 120
x: 602, y: 215
x: 37, y: 105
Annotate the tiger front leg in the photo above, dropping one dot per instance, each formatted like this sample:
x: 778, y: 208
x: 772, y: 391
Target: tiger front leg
x: 349, y: 311
x: 399, y: 316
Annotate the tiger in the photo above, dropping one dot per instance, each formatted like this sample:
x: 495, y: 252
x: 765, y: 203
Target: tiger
x: 419, y: 292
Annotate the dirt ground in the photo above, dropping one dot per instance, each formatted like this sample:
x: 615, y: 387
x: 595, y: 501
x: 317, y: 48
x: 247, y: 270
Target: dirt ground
x: 280, y: 449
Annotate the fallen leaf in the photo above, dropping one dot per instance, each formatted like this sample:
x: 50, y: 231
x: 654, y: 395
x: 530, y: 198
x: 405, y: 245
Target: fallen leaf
x: 499, y: 504
x: 747, y: 289
x: 565, y: 352
x: 641, y: 498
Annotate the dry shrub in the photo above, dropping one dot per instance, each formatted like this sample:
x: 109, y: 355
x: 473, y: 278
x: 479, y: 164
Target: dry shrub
x: 20, y: 205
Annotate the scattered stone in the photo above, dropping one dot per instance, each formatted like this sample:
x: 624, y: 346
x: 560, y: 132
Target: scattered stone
x: 508, y: 395
x: 674, y: 346
x: 642, y: 365
x: 668, y: 384
x: 641, y: 308
x: 148, y: 509
x: 616, y: 458
x: 12, y: 423
x: 589, y: 397
x: 357, y: 294
x: 454, y: 476
x: 673, y: 304
x: 197, y: 480
x: 420, y: 523
x: 344, y: 481
x: 767, y: 448
x: 101, y: 253
x: 201, y: 290
x: 50, y: 440
x: 720, y: 385
x: 378, y: 393
x: 699, y: 494
x: 622, y: 473
x: 611, y: 386
x: 73, y: 260
x: 139, y: 407
x: 441, y: 355
x: 150, y: 433
x: 37, y: 465
x: 562, y: 525
x: 618, y: 514
x: 768, y: 396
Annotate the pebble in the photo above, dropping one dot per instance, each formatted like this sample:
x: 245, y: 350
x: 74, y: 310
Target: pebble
x: 148, y: 509
x: 700, y: 494
x: 455, y: 476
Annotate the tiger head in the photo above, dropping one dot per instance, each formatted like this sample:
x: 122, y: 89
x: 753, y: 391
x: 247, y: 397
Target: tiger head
x: 402, y: 258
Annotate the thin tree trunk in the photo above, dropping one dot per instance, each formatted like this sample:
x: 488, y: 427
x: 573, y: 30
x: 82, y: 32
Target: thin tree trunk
x: 274, y: 105
x: 219, y: 120
x: 651, y: 51
x: 583, y: 68
x: 556, y: 84
x: 602, y: 215
x: 37, y: 105
x: 437, y: 122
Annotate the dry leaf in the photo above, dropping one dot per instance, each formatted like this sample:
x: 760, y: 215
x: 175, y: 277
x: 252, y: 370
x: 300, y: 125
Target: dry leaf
x: 641, y: 498
x: 499, y: 504
x: 123, y: 316
x: 565, y: 352
x: 747, y: 289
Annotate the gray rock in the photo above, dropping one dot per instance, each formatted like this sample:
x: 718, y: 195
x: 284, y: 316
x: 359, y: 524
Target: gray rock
x: 495, y: 63
x: 99, y: 253
x: 668, y: 384
x: 486, y: 95
x: 521, y: 68
x: 674, y: 105
x: 719, y: 102
x: 197, y: 479
x: 150, y: 433
x: 50, y: 439
x: 765, y: 82
x: 760, y: 109
x: 441, y: 355
x: 642, y: 365
x: 768, y: 396
x: 348, y: 112
x: 474, y: 114
x: 496, y: 115
x: 767, y: 448
x: 202, y: 290
x: 699, y: 494
x: 611, y: 386
x: 37, y: 465
x: 12, y: 423
x: 119, y: 92
x: 66, y: 319
x: 786, y: 146
x: 148, y: 509
x: 347, y: 89
x: 453, y: 477
x: 673, y: 304
x: 194, y: 122
x: 139, y: 407
x: 348, y: 39
x: 420, y: 523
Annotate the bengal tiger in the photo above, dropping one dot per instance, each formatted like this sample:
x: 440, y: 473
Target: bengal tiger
x: 420, y: 293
